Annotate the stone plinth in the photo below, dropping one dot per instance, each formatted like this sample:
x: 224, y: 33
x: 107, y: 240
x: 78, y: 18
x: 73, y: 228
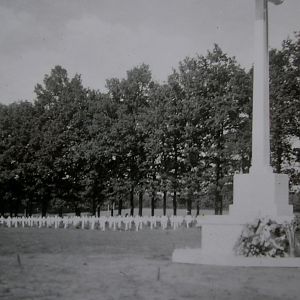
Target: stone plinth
x: 260, y: 194
x: 219, y: 235
x: 255, y: 195
x: 195, y: 256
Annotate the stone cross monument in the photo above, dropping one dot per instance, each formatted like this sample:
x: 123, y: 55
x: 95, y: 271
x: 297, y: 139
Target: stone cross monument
x: 261, y: 193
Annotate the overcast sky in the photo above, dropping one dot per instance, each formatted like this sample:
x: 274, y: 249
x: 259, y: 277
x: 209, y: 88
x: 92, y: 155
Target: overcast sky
x: 100, y: 39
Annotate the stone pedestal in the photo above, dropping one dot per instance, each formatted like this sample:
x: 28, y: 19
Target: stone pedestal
x: 260, y: 194
x: 219, y: 235
x: 255, y: 195
x: 196, y: 256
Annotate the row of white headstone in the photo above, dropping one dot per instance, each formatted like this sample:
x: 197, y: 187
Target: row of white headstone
x: 103, y: 223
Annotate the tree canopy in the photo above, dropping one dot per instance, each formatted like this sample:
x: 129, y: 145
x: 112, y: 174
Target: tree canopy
x: 144, y: 143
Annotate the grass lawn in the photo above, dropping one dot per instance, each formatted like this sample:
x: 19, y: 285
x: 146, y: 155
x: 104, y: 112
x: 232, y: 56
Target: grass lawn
x: 85, y: 264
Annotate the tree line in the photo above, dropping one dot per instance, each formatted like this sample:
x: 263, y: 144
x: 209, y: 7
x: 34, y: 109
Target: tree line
x: 172, y: 144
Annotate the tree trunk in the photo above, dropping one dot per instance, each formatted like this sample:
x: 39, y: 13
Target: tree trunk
x: 30, y: 208
x: 153, y: 194
x: 112, y: 209
x: 11, y: 210
x: 60, y: 213
x: 16, y: 207
x: 198, y: 209
x: 189, y: 203
x: 141, y: 203
x: 218, y: 170
x: 218, y: 202
x: 77, y: 211
x: 152, y: 203
x: 218, y: 196
x: 175, y: 178
x: 165, y: 203
x: 131, y: 201
x: 1, y: 207
x: 44, y: 207
x: 278, y: 162
x: 98, y: 207
x: 94, y: 207
x: 26, y: 209
x: 120, y: 206
x: 175, y: 203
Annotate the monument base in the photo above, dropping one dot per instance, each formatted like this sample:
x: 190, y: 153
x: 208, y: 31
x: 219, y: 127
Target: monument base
x: 219, y: 235
x: 196, y: 256
x: 258, y: 194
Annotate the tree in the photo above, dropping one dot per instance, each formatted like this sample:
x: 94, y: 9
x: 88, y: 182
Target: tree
x: 126, y: 137
x: 16, y: 125
x: 101, y: 167
x: 222, y: 91
x: 157, y: 154
x: 284, y: 98
x: 62, y: 107
x: 174, y: 139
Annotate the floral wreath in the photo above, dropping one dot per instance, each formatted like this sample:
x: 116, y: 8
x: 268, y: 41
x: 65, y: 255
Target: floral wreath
x: 266, y: 237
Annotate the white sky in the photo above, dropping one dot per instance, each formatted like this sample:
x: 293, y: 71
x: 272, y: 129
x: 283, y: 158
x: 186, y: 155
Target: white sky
x: 101, y: 39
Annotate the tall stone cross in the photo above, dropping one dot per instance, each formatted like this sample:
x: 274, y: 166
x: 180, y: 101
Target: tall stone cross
x: 261, y: 192
x: 261, y: 107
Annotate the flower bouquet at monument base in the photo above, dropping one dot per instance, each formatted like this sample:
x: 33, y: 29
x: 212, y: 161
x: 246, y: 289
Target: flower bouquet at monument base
x: 266, y: 237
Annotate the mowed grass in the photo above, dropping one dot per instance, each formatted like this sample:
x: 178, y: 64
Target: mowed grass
x: 85, y: 264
